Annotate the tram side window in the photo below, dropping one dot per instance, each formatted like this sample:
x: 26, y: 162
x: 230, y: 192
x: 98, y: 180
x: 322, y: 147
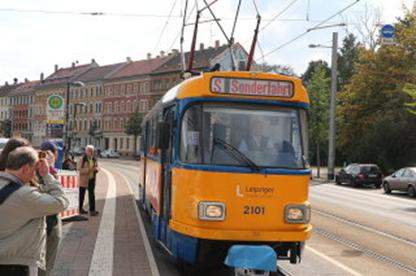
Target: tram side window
x: 191, y: 146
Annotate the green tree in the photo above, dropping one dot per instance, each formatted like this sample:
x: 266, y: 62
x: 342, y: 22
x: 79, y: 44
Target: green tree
x: 349, y: 53
x: 134, y: 127
x: 374, y: 124
x: 312, y: 67
x: 276, y: 68
x: 318, y: 89
x: 6, y: 128
x: 410, y: 89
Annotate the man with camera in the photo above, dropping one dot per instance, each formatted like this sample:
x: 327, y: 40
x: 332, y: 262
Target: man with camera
x: 22, y: 211
x: 87, y: 176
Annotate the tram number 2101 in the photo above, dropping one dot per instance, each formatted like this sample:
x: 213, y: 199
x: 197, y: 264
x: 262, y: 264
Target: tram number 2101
x: 253, y: 210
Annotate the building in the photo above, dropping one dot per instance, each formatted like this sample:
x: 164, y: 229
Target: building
x: 126, y: 91
x: 21, y: 99
x: 58, y: 83
x: 5, y: 107
x: 86, y: 107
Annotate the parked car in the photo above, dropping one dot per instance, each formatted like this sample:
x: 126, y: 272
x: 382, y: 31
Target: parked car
x: 401, y: 180
x: 76, y: 151
x: 358, y: 175
x: 109, y: 153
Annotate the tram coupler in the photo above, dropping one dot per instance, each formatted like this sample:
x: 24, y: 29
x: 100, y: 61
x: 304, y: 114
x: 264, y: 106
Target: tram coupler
x: 251, y: 260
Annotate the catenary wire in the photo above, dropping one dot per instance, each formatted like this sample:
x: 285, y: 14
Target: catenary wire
x: 164, y: 27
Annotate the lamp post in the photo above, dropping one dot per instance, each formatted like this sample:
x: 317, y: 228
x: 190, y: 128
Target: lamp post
x: 68, y: 88
x: 332, y: 105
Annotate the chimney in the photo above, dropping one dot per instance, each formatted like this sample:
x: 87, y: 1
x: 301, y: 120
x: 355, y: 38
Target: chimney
x: 201, y: 46
x: 41, y: 77
x: 149, y: 55
x: 73, y: 65
x: 15, y: 81
x: 162, y: 53
x: 175, y: 51
x: 128, y: 59
x: 93, y: 60
x: 56, y: 67
x: 217, y: 44
x: 26, y: 80
x: 6, y: 83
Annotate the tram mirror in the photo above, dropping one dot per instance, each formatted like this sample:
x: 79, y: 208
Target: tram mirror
x: 163, y: 135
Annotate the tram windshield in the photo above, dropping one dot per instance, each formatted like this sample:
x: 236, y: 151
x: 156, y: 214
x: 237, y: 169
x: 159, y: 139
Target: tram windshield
x: 244, y: 135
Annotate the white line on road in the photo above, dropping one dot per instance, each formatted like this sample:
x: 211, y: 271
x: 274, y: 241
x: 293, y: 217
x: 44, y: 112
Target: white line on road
x: 102, y: 258
x: 148, y: 249
x: 347, y: 269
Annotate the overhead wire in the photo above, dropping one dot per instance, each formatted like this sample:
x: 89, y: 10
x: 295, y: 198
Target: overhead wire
x: 307, y: 31
x: 164, y: 27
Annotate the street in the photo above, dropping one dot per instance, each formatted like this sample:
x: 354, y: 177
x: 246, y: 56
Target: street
x: 356, y: 232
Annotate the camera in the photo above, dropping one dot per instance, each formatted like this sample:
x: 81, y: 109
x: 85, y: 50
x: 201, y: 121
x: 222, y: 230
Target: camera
x: 42, y: 154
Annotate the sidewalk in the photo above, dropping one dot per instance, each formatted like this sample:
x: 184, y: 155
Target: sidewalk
x: 108, y: 244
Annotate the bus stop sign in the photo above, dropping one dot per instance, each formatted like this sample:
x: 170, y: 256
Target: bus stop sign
x: 387, y: 34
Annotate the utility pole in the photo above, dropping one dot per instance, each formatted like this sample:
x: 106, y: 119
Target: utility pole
x: 333, y: 100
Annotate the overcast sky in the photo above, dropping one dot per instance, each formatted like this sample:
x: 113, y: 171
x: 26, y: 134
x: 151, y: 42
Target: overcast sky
x: 37, y: 34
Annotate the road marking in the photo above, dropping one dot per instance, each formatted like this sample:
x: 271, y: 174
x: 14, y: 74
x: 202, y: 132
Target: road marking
x: 335, y: 262
x: 148, y: 249
x: 102, y: 258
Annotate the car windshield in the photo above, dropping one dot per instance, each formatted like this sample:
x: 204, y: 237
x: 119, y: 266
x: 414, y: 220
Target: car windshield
x: 370, y: 169
x: 242, y: 135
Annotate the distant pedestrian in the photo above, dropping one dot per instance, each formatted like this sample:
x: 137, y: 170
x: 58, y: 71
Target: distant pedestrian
x: 87, y: 179
x: 22, y: 211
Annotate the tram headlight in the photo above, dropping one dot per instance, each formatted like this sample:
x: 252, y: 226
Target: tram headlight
x: 208, y: 210
x: 297, y: 213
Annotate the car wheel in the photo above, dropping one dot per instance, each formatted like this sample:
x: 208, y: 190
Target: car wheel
x: 386, y: 188
x: 337, y: 181
x: 411, y: 191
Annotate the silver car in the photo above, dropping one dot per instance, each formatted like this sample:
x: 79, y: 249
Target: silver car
x: 401, y: 180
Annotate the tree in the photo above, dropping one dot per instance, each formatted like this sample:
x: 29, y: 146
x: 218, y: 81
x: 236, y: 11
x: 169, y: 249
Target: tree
x: 347, y: 59
x: 368, y: 27
x: 318, y: 89
x: 374, y: 124
x: 410, y: 89
x: 277, y: 69
x: 6, y: 128
x: 133, y: 127
x: 312, y: 67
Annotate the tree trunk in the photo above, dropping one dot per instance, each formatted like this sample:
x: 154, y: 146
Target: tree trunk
x: 318, y: 161
x: 135, y: 145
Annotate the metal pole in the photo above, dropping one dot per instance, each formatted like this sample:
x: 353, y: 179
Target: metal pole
x: 331, y: 150
x: 67, y: 147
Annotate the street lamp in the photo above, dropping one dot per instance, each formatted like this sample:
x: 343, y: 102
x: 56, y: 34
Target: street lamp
x: 332, y: 105
x: 68, y: 88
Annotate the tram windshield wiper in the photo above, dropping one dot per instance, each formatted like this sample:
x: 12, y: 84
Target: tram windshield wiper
x: 234, y: 152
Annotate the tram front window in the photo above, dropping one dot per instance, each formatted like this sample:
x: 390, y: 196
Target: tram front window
x: 242, y: 135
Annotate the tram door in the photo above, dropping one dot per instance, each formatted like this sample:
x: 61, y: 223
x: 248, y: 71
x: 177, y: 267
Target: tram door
x: 167, y: 160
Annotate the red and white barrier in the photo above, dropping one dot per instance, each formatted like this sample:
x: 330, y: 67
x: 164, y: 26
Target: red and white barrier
x: 69, y: 182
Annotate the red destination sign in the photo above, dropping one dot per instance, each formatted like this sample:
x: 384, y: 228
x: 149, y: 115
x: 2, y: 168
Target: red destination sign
x: 252, y: 87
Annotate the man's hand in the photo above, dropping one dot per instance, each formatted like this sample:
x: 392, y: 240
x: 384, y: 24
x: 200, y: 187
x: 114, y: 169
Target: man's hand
x: 43, y: 167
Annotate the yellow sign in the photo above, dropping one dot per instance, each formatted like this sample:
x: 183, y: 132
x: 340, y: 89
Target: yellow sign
x: 56, y: 122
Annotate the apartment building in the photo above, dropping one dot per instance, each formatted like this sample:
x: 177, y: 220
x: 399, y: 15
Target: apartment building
x: 21, y: 99
x: 55, y: 84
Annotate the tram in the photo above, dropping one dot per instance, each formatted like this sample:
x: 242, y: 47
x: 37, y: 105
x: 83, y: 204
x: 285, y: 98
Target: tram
x: 224, y: 162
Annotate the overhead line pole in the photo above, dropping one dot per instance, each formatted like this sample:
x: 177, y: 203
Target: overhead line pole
x: 331, y: 150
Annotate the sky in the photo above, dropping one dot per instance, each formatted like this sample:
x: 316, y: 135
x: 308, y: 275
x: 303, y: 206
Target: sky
x: 37, y: 34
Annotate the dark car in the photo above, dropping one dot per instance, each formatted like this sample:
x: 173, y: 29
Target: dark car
x: 401, y: 180
x: 358, y: 175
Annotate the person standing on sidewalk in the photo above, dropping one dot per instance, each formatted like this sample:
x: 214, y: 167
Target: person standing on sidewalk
x: 87, y: 176
x: 22, y: 211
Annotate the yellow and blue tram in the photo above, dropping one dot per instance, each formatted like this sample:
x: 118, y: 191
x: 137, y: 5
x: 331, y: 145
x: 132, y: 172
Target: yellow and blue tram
x: 224, y: 162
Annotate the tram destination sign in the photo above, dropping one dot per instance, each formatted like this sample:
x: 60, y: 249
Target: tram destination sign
x: 252, y: 87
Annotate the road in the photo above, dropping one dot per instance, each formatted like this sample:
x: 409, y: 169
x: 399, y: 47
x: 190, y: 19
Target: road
x: 356, y: 231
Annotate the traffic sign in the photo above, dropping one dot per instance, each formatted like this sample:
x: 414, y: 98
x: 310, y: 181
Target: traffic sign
x: 387, y: 31
x: 55, y: 110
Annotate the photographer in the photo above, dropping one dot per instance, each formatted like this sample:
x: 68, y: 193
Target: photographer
x: 22, y: 211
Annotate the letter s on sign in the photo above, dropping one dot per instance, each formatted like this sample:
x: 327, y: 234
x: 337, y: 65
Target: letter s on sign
x: 217, y: 85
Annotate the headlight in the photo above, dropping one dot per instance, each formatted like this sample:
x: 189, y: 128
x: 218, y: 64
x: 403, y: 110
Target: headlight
x: 208, y: 210
x: 297, y: 213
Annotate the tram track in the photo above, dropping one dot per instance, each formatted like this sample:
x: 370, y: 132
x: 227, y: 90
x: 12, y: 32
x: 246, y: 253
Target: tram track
x: 363, y: 245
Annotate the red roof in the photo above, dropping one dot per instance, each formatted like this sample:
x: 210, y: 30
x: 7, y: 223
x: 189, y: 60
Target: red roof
x: 25, y: 87
x: 64, y: 75
x: 140, y: 67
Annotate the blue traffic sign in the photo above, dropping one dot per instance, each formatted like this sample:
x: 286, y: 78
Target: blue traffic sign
x: 387, y: 31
